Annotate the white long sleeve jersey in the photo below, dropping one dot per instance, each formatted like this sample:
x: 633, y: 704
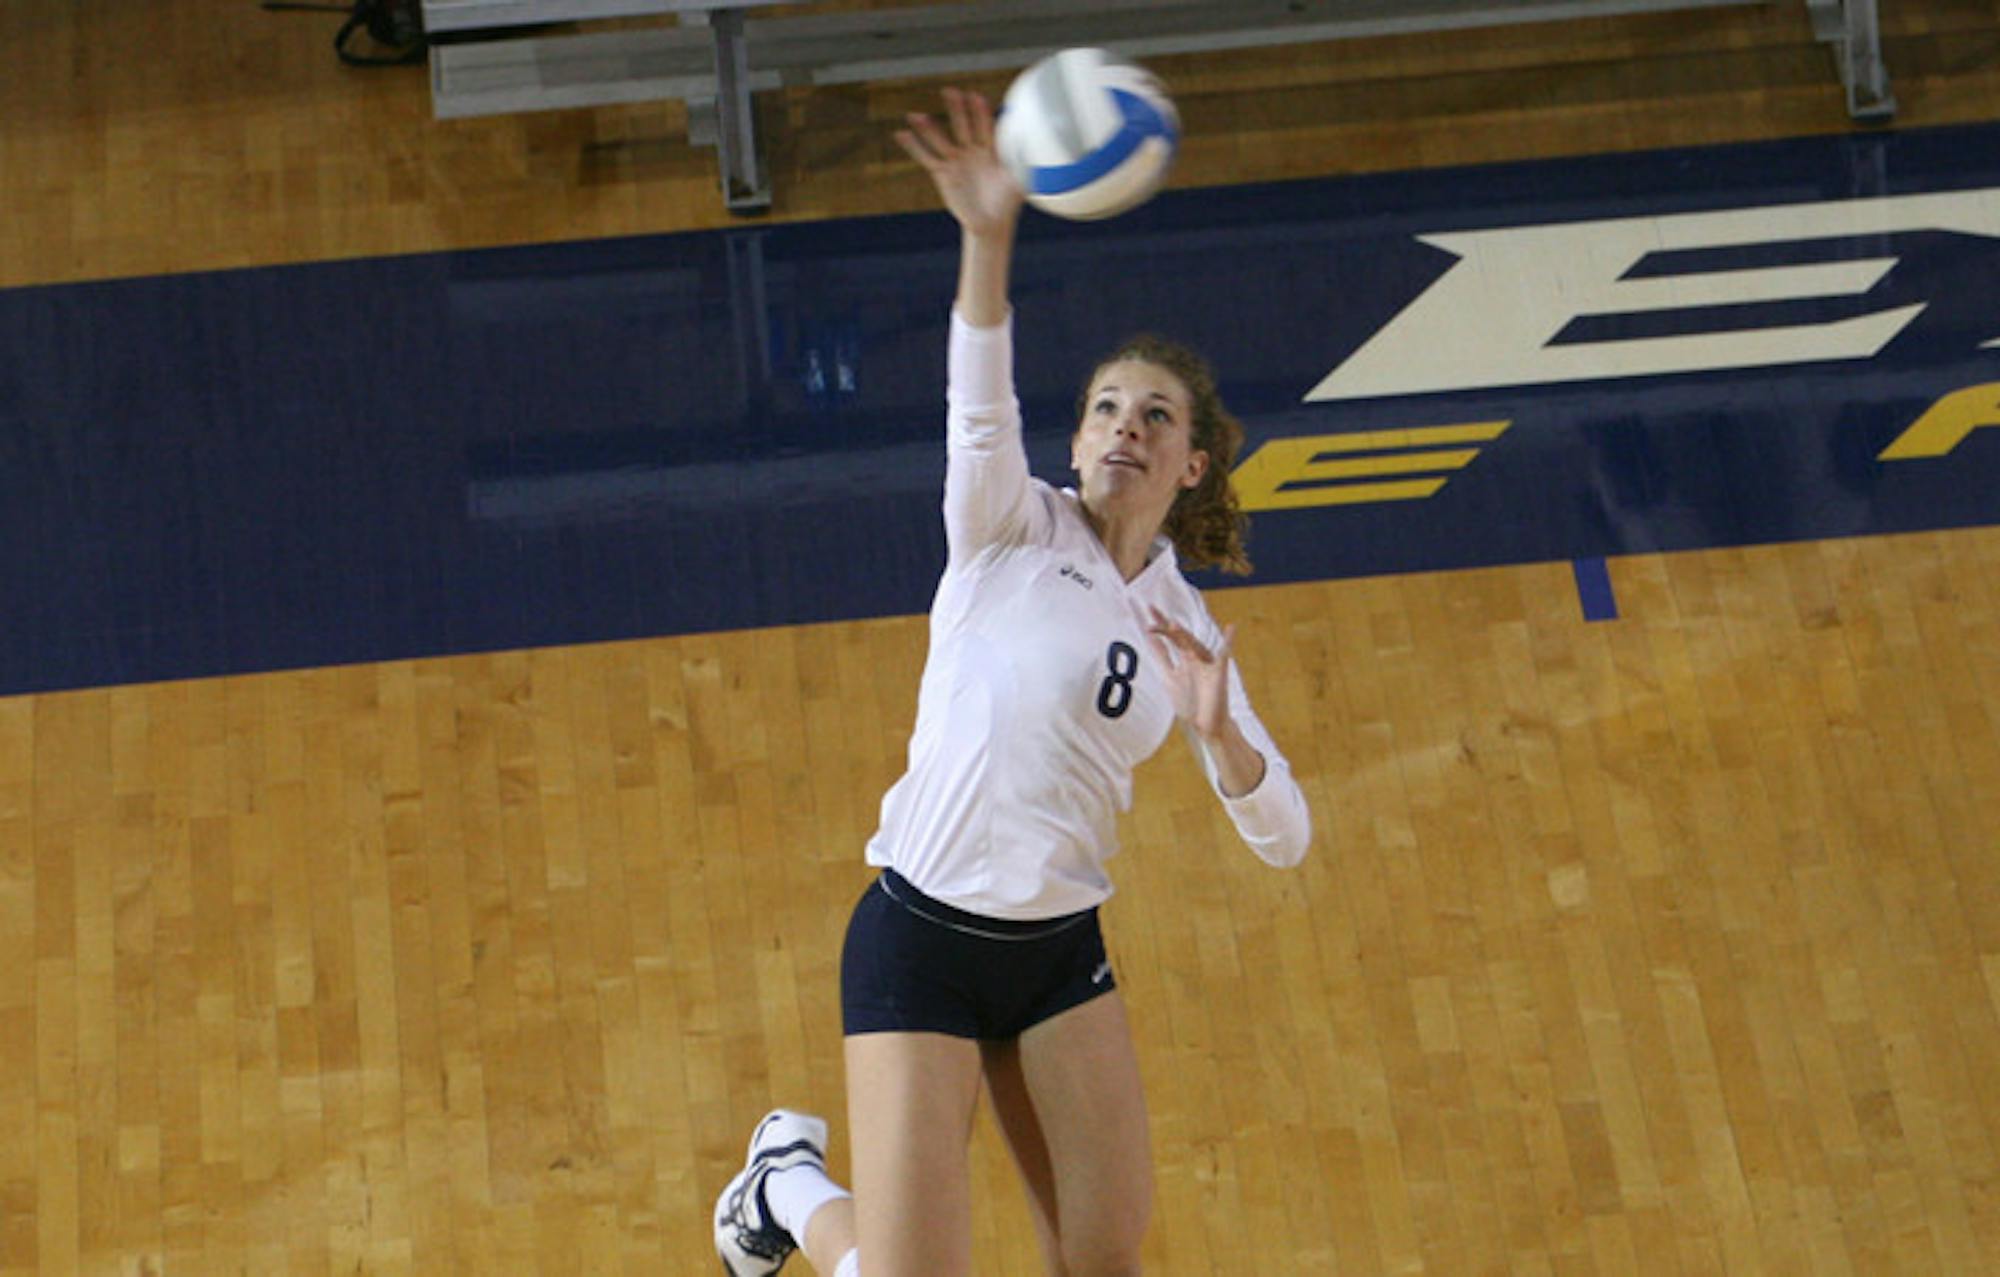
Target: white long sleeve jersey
x: 1041, y: 691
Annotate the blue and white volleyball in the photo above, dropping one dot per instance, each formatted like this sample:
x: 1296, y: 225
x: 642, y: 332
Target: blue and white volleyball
x: 1088, y: 134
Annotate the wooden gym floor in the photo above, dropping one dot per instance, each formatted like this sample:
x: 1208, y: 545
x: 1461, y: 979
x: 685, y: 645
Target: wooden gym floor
x: 1668, y: 945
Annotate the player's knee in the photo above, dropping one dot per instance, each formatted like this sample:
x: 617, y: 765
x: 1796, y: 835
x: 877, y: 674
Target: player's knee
x: 1101, y: 1263
x: 1109, y: 1249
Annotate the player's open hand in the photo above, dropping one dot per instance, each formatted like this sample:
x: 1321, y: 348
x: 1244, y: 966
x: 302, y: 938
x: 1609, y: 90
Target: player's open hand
x: 960, y: 157
x: 1198, y: 674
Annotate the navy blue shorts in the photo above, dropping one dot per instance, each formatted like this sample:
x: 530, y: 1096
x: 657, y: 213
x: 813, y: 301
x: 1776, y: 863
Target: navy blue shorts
x: 912, y: 964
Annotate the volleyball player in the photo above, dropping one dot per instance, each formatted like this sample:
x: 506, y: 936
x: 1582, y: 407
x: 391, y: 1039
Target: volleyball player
x: 1065, y: 643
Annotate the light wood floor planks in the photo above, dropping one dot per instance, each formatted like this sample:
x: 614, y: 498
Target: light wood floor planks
x: 1669, y: 945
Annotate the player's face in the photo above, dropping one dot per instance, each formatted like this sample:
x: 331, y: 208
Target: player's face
x: 1135, y: 443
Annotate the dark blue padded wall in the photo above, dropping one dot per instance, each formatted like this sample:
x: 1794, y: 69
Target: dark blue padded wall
x: 365, y: 460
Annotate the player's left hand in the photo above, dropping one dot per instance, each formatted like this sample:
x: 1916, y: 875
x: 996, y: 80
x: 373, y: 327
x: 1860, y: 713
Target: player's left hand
x: 1198, y: 675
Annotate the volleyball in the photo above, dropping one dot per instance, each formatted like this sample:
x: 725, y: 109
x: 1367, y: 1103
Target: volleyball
x: 1088, y: 134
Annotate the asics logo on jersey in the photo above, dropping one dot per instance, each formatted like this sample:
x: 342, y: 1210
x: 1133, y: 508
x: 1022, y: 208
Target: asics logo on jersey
x: 1069, y: 571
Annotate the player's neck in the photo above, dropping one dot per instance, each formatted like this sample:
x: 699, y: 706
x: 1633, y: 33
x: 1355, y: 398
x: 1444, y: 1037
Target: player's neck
x: 1128, y: 538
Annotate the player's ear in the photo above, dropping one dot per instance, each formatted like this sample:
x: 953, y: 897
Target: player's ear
x: 1197, y: 469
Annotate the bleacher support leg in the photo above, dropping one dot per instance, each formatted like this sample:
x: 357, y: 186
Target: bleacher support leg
x: 1853, y: 28
x: 746, y: 189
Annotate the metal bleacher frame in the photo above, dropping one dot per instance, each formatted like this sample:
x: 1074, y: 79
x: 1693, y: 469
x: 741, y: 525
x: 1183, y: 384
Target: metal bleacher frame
x: 720, y: 52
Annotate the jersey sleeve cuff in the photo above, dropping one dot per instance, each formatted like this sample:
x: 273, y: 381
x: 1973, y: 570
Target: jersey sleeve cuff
x: 1271, y: 818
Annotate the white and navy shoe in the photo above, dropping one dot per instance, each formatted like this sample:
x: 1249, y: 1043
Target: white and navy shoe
x: 751, y: 1243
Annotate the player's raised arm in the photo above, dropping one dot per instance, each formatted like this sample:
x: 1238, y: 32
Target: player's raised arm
x: 987, y: 494
x: 978, y: 190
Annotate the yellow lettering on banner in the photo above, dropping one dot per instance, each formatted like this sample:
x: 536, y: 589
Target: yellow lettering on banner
x: 1947, y: 423
x: 1269, y: 478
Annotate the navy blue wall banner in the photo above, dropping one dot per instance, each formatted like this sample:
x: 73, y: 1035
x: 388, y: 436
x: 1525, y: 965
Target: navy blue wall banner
x: 1561, y: 360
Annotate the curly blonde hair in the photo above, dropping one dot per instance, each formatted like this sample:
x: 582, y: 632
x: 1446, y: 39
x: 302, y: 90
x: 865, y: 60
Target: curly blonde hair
x: 1206, y: 524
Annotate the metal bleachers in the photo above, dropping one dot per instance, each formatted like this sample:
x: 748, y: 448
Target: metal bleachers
x: 720, y: 52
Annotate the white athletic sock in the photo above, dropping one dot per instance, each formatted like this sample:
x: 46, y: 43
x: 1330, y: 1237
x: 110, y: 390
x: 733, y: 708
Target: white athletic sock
x: 849, y: 1265
x: 795, y: 1193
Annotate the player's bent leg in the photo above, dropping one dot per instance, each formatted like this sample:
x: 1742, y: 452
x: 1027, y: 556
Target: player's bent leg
x: 784, y: 1200
x: 831, y: 1237
x: 1015, y: 1111
x: 1082, y: 1076
x: 910, y: 1104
